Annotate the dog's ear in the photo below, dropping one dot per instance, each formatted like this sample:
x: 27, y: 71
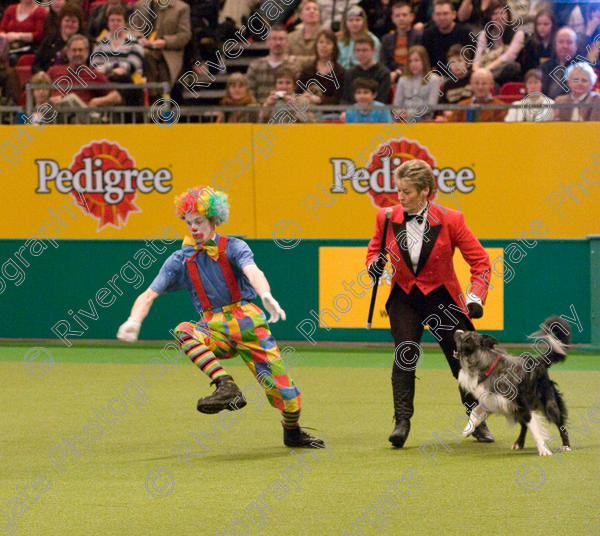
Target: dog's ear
x: 487, y: 341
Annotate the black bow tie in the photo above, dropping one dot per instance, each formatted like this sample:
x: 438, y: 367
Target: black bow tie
x: 418, y: 217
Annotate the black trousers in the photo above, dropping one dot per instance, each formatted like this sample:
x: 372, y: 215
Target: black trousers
x: 408, y: 315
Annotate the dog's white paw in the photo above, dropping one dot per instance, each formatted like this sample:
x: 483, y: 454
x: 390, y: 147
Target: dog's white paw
x: 545, y: 452
x: 566, y: 448
x: 516, y: 446
x: 467, y: 431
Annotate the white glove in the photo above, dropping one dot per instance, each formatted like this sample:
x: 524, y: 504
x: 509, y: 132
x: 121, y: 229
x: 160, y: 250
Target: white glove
x: 129, y: 330
x: 273, y: 308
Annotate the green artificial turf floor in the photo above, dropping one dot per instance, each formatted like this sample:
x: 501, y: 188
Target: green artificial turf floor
x: 155, y: 466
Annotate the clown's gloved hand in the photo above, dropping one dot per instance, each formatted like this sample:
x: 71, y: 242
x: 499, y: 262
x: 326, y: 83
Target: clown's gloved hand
x: 129, y: 330
x: 273, y: 308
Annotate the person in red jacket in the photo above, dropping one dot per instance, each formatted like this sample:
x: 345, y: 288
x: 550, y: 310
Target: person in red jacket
x: 23, y: 23
x: 420, y: 240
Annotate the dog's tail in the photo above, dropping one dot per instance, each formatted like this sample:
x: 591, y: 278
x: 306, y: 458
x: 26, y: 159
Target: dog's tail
x: 556, y: 334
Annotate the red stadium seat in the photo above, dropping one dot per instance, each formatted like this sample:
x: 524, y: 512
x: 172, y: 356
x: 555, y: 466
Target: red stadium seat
x: 25, y: 60
x: 24, y: 73
x: 513, y: 88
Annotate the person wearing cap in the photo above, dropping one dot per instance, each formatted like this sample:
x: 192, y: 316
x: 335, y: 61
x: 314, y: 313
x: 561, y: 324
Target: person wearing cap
x: 421, y: 238
x: 222, y: 279
x: 354, y: 26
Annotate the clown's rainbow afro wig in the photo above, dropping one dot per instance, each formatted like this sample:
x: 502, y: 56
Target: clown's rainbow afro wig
x: 206, y: 201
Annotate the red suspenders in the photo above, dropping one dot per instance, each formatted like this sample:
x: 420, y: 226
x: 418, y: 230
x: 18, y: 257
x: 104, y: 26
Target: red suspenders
x: 230, y: 280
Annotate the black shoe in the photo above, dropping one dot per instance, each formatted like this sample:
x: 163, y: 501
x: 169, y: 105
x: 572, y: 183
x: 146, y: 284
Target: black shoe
x: 298, y: 437
x: 483, y: 434
x: 226, y: 396
x: 400, y: 433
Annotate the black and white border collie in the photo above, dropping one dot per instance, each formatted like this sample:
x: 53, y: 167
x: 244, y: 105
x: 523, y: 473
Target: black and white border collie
x: 515, y: 386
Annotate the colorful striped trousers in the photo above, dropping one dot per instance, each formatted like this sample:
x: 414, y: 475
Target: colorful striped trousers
x: 241, y: 330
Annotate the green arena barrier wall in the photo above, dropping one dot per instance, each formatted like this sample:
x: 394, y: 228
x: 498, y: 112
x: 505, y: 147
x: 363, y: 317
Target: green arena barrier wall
x: 554, y: 278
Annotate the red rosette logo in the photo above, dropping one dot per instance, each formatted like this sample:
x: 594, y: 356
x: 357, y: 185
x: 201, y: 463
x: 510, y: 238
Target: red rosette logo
x: 107, y: 190
x: 387, y: 158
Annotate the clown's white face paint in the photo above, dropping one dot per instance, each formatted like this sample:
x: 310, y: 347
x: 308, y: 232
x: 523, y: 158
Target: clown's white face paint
x: 200, y: 227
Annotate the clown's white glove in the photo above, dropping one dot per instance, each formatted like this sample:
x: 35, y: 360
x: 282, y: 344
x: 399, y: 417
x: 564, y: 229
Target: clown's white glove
x: 273, y: 308
x: 129, y: 330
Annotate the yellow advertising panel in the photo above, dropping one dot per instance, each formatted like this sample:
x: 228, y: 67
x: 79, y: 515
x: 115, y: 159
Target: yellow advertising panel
x: 344, y: 290
x: 316, y: 180
x: 510, y: 178
x: 119, y: 181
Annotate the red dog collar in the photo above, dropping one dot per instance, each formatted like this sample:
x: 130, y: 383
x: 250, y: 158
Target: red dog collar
x: 489, y: 371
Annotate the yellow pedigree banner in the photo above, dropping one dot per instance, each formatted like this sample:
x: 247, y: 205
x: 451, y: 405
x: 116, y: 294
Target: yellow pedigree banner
x: 345, y: 290
x: 315, y: 181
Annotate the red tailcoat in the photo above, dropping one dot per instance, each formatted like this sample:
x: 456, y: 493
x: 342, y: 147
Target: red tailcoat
x: 445, y: 231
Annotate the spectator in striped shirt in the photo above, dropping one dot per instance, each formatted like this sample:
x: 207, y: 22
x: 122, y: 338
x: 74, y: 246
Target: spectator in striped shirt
x: 119, y: 56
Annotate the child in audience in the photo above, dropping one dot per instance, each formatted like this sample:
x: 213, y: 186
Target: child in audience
x: 237, y: 94
x: 281, y: 96
x: 365, y: 91
x: 413, y: 90
x: 355, y: 25
x: 539, y: 46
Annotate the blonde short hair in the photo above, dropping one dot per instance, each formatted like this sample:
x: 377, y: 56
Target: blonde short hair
x: 41, y: 78
x: 418, y: 172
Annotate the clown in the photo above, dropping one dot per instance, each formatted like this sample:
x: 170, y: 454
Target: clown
x: 220, y: 274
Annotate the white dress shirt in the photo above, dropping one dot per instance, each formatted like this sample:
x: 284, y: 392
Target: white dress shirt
x: 415, y: 232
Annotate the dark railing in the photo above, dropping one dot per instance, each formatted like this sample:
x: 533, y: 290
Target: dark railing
x: 166, y: 112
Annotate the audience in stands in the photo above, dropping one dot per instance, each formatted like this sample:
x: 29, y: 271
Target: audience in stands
x: 10, y: 87
x: 379, y: 15
x: 51, y: 50
x: 302, y: 39
x: 119, y: 56
x: 539, y: 47
x: 472, y: 13
x: 97, y: 21
x: 367, y: 67
x: 22, y: 25
x: 524, y: 38
x: 51, y: 22
x: 581, y: 78
x: 395, y: 44
x: 457, y: 87
x: 167, y: 35
x: 76, y: 71
x: 237, y: 94
x: 553, y: 70
x: 262, y: 72
x: 280, y: 97
x: 568, y: 13
x: 592, y: 25
x: 355, y: 26
x: 499, y: 55
x: 40, y: 97
x: 482, y: 83
x: 535, y: 107
x: 413, y: 92
x: 592, y: 32
x: 365, y: 92
x: 236, y: 11
x: 334, y: 11
x: 444, y: 32
x: 320, y: 75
